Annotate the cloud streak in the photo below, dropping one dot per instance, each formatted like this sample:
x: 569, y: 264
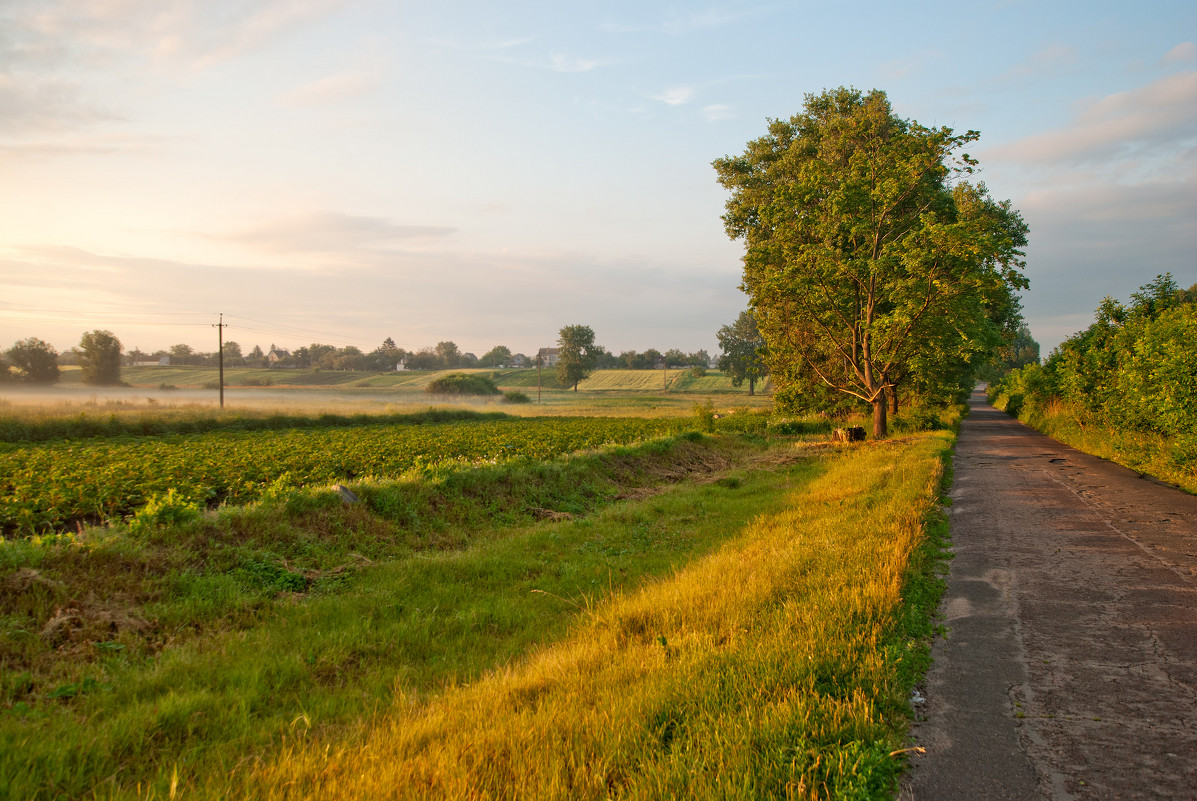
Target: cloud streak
x: 330, y: 232
x: 333, y: 88
x: 1160, y: 114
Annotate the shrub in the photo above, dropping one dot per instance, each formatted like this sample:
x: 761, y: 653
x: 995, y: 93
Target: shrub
x: 162, y: 511
x: 462, y: 384
x: 515, y: 396
x: 705, y: 414
x: 918, y: 419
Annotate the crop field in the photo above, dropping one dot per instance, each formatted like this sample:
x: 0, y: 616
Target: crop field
x: 635, y: 381
x: 48, y: 485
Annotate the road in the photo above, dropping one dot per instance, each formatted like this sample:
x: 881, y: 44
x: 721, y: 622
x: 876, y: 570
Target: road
x: 1070, y: 665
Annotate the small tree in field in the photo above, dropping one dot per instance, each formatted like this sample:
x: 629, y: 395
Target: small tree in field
x: 100, y: 358
x: 743, y: 351
x: 577, y: 354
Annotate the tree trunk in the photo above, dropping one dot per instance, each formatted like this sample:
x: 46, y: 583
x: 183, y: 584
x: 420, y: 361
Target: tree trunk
x: 893, y: 393
x: 751, y: 386
x: 879, y: 428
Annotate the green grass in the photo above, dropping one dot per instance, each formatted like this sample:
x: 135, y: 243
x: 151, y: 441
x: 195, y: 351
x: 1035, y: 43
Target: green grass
x: 736, y: 637
x: 1146, y: 452
x: 635, y: 381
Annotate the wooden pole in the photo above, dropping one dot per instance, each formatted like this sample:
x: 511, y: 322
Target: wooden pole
x: 220, y: 355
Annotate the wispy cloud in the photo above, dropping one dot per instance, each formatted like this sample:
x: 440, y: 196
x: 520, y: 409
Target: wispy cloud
x: 1160, y: 114
x: 330, y: 232
x: 717, y: 112
x: 676, y: 24
x: 333, y: 88
x: 912, y: 65
x: 514, y: 51
x: 34, y: 104
x: 1051, y: 60
x: 1183, y: 53
x: 482, y: 46
x: 675, y: 95
x: 83, y: 144
x: 559, y: 62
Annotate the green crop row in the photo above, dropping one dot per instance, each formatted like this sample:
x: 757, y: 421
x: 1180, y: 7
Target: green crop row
x: 49, y: 486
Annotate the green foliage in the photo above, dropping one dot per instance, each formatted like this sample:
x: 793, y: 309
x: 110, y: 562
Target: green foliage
x: 160, y: 511
x: 577, y: 354
x: 100, y: 358
x: 51, y: 485
x: 919, y: 418
x: 687, y: 599
x: 82, y: 426
x: 462, y: 384
x: 705, y: 415
x: 36, y: 361
x: 1133, y: 370
x: 866, y: 264
x: 743, y: 351
x: 498, y: 356
x: 515, y: 396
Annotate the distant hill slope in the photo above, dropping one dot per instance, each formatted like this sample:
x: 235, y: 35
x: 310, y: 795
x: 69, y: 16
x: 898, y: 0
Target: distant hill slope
x: 637, y: 381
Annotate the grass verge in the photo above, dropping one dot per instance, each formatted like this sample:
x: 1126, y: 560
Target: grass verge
x: 1167, y: 458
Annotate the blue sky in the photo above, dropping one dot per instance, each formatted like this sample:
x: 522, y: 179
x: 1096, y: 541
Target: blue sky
x: 342, y: 171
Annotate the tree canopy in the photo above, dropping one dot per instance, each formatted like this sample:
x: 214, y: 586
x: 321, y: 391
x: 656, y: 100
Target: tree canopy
x: 101, y: 358
x: 36, y: 361
x: 576, y: 354
x: 867, y: 260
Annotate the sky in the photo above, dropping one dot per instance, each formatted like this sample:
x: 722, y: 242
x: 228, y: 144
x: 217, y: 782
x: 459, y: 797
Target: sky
x: 342, y: 171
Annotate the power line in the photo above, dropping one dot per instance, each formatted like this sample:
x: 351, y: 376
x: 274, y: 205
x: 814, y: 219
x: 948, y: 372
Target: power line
x: 124, y: 318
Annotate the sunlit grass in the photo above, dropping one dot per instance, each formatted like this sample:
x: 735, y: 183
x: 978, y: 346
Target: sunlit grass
x: 736, y: 637
x: 1143, y: 451
x: 777, y: 666
x: 406, y: 626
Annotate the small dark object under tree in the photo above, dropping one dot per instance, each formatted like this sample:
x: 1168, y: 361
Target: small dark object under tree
x: 851, y: 434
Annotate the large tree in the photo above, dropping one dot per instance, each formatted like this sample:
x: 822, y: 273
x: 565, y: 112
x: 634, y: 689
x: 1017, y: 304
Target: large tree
x: 743, y: 351
x: 576, y: 354
x: 866, y: 254
x: 100, y: 358
x: 36, y: 361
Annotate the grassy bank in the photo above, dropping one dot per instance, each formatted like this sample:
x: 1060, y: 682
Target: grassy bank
x: 734, y: 637
x: 1169, y: 458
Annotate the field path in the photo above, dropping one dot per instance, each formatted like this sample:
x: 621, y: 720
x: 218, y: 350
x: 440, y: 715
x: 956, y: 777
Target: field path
x: 1070, y: 665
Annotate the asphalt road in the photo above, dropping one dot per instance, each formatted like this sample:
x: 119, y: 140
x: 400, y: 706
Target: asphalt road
x: 1070, y: 665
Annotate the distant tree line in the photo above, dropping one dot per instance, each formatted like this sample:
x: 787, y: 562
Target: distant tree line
x: 34, y: 361
x: 100, y: 355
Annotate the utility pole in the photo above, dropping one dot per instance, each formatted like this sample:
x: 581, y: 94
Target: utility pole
x: 539, y: 359
x: 220, y: 353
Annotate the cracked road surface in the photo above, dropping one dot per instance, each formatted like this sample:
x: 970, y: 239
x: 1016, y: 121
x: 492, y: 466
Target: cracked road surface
x: 1070, y: 665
